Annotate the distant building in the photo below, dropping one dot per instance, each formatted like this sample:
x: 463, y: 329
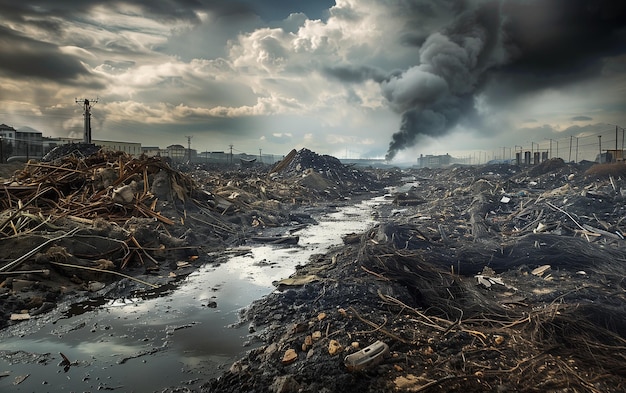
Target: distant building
x: 615, y: 155
x: 25, y: 142
x: 7, y: 132
x: 214, y: 157
x: 7, y: 141
x: 432, y: 161
x: 132, y: 148
x: 610, y: 156
x: 179, y: 153
x: 151, y: 151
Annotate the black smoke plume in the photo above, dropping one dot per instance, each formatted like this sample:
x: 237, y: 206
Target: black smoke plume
x: 515, y: 45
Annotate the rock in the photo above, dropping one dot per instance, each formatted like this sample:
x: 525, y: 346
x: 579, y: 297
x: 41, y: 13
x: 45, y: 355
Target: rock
x: 299, y: 327
x: 238, y: 367
x: 285, y: 384
x: 290, y: 356
x: 308, y: 343
x: 316, y: 335
x: 334, y: 347
x: 95, y: 286
x: 123, y: 194
x: 321, y: 316
x: 409, y: 382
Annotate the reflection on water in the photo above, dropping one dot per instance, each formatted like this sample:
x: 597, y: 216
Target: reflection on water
x: 186, y: 335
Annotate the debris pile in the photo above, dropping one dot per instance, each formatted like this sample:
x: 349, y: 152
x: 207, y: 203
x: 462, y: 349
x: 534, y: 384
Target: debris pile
x: 503, y: 279
x: 80, y: 221
x: 324, y: 174
x: 84, y: 217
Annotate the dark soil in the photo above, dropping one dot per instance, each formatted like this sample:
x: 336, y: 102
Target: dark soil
x: 452, y: 285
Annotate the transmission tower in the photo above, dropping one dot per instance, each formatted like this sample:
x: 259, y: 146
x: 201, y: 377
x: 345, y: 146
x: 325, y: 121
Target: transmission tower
x: 87, y: 115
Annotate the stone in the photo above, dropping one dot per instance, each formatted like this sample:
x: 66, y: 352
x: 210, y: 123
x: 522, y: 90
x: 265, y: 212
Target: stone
x: 285, y: 384
x: 334, y: 347
x: 290, y: 356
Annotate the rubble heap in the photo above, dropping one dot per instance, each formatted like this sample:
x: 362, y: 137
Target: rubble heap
x: 324, y: 174
x: 81, y: 219
x: 95, y: 216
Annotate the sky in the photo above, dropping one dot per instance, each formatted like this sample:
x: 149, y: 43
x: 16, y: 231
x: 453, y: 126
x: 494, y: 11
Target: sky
x: 351, y: 78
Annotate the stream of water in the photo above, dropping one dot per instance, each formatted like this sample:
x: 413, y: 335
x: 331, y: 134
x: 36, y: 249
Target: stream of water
x: 180, y: 339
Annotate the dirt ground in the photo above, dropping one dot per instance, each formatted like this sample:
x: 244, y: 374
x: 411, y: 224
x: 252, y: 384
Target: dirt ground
x: 477, y: 279
x: 471, y: 292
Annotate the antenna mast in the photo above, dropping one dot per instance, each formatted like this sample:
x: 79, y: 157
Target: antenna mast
x: 87, y: 115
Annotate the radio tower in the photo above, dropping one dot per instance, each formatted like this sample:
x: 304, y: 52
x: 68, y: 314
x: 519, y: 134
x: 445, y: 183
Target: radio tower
x: 87, y: 114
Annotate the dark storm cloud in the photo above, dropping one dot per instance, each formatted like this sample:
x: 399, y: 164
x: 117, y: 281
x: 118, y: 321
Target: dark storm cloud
x: 562, y: 36
x: 581, y: 118
x: 165, y: 10
x: 27, y: 57
x: 500, y: 50
x: 555, y: 43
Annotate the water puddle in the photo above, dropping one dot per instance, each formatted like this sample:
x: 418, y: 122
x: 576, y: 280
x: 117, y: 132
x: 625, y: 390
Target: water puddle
x: 186, y: 336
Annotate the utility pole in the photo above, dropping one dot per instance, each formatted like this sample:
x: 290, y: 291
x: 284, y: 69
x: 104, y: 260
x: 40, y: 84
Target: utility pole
x: 576, y: 149
x: 615, y: 155
x: 550, y: 151
x: 600, y: 146
x: 87, y: 115
x: 260, y: 156
x: 231, y: 154
x: 557, y: 149
x: 189, y: 147
x: 569, y: 159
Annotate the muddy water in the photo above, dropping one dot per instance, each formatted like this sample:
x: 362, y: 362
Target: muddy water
x: 178, y: 339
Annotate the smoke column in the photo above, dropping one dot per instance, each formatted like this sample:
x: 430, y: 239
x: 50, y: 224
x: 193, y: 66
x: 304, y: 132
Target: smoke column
x: 436, y: 94
x: 501, y: 49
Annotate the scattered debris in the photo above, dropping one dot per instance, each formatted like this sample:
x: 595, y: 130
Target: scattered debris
x: 367, y: 357
x: 545, y: 245
x: 547, y: 316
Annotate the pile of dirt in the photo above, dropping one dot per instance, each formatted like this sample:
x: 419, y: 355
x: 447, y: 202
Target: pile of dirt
x: 324, y: 174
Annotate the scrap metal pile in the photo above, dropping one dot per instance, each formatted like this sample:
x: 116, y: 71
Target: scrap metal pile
x: 501, y: 279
